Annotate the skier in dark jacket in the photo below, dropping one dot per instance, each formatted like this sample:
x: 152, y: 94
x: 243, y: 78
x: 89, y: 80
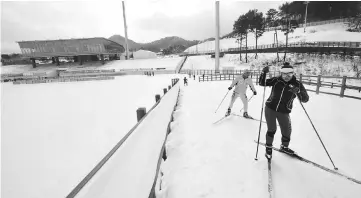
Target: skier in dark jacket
x: 185, y: 81
x: 285, y: 89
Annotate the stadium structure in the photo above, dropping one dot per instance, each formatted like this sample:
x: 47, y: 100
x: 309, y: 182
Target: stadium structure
x: 80, y: 50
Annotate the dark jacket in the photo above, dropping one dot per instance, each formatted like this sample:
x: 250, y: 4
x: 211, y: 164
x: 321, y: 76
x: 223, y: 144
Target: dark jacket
x: 281, y: 97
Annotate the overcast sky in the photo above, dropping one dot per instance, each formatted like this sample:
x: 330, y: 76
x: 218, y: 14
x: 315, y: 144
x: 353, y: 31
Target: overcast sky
x: 147, y: 20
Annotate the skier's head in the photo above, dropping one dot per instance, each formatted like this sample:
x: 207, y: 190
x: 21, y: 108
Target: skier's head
x: 246, y: 73
x: 287, y: 72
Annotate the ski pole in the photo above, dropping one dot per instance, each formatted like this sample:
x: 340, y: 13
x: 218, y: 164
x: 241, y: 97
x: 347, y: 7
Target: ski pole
x: 317, y: 134
x: 260, y: 122
x: 222, y: 101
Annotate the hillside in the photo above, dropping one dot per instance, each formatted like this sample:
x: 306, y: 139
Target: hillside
x: 154, y: 46
x: 328, y: 32
x: 121, y: 40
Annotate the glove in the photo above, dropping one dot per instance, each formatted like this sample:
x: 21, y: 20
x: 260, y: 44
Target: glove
x: 255, y: 93
x: 229, y: 88
x: 295, y: 90
x: 265, y: 69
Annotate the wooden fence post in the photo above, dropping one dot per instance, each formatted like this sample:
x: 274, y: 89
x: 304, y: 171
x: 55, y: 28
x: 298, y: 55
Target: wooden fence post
x: 318, y: 84
x: 343, y: 86
x: 141, y: 113
x: 157, y: 98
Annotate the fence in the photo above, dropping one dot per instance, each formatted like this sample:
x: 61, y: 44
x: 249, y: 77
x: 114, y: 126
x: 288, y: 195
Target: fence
x: 318, y: 81
x: 67, y: 76
x: 67, y: 79
x: 141, y: 115
x: 316, y: 44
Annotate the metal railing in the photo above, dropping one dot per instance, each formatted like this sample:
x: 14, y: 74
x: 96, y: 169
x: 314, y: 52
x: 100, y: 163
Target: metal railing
x: 315, y: 44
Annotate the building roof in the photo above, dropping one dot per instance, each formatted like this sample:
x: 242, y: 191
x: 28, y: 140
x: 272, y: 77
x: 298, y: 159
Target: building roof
x: 70, y: 47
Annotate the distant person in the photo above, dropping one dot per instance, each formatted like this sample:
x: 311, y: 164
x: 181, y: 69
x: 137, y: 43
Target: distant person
x: 241, y: 83
x: 185, y: 81
x: 285, y: 89
x: 153, y: 73
x: 194, y: 77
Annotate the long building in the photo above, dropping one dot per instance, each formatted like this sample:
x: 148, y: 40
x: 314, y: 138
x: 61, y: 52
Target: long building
x: 80, y: 49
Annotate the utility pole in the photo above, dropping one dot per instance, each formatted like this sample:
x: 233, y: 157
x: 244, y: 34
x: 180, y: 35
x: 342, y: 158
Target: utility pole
x: 306, y: 2
x: 126, y: 34
x: 217, y: 38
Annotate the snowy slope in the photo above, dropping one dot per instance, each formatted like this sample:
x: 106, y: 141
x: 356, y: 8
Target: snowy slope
x: 53, y: 134
x: 207, y: 160
x: 328, y: 32
x: 130, y: 172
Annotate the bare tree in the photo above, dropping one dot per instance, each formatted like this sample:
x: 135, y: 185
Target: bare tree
x: 286, y: 16
x: 241, y: 28
x: 272, y: 20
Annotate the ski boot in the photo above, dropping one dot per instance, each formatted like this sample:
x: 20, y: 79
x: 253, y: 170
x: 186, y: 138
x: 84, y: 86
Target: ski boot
x: 245, y: 114
x: 268, y: 154
x: 287, y: 150
x: 228, y: 112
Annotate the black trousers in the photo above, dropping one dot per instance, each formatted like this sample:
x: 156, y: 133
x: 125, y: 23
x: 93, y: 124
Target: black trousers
x: 285, y: 125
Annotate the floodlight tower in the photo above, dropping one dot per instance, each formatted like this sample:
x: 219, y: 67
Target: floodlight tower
x: 217, y: 38
x: 126, y: 34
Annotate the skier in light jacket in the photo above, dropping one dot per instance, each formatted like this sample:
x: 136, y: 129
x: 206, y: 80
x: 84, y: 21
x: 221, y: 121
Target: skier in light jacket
x: 240, y: 83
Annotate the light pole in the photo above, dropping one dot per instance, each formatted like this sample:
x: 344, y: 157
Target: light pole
x: 126, y: 34
x: 306, y: 2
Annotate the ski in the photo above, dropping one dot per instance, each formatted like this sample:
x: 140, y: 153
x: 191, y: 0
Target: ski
x: 220, y: 119
x: 250, y: 118
x: 296, y: 156
x: 270, y: 186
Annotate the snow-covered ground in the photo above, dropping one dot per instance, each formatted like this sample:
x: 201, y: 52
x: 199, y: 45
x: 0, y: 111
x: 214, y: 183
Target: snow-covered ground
x: 328, y: 32
x: 131, y: 171
x: 53, y: 134
x: 217, y: 160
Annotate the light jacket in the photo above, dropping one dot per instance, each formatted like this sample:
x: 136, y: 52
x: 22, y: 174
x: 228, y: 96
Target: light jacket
x: 241, y: 84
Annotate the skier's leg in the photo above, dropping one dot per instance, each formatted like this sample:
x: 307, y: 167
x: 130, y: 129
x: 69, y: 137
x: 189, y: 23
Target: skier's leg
x: 285, y: 124
x: 243, y: 97
x: 234, y: 96
x: 270, y: 116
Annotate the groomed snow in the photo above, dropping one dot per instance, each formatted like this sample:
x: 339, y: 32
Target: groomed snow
x: 54, y: 134
x: 217, y: 160
x: 131, y: 170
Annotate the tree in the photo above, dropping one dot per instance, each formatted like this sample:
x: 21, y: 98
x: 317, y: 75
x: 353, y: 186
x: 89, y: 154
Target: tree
x: 355, y: 22
x: 240, y: 29
x: 256, y: 24
x: 272, y: 20
x: 286, y: 15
